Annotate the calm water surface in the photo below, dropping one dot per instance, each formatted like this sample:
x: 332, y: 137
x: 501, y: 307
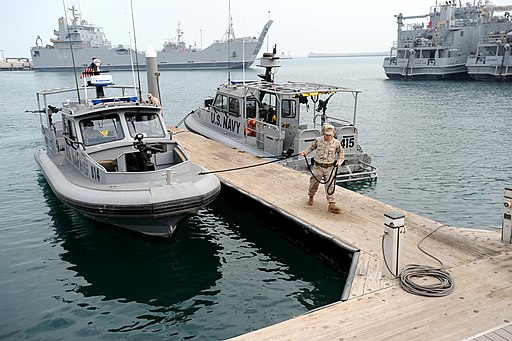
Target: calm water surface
x: 442, y: 149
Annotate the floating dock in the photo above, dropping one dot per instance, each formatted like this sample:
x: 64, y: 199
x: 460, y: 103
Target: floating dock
x: 375, y: 307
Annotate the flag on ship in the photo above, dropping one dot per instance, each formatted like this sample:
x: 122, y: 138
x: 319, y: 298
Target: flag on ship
x: 88, y: 71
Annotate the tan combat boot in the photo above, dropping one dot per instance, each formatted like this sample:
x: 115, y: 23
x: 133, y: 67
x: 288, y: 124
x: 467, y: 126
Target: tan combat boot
x: 310, y: 201
x: 333, y: 208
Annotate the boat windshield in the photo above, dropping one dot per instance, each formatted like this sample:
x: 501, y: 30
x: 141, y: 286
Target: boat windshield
x: 146, y: 123
x: 101, y: 129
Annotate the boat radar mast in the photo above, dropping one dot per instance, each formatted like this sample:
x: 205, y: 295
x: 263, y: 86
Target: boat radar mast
x: 269, y: 61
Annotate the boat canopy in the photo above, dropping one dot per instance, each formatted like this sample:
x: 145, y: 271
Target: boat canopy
x: 299, y: 89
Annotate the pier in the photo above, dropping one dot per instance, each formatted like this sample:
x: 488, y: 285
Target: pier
x: 374, y: 307
x: 15, y: 64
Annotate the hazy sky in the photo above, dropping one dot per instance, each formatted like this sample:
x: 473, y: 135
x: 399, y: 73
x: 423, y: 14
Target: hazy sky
x: 299, y: 26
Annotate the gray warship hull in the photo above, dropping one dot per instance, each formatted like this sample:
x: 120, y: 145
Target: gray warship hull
x: 214, y: 57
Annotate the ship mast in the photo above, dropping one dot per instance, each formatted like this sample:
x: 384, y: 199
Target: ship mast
x: 230, y: 32
x: 179, y: 33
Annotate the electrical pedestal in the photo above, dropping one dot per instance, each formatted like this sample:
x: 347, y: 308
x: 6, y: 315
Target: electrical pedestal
x: 394, y: 228
x: 506, y: 230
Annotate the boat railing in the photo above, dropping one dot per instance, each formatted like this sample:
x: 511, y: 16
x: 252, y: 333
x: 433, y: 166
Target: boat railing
x: 497, y: 38
x: 339, y: 122
x: 419, y: 42
x: 75, y: 144
x: 414, y: 27
x: 336, y: 121
x: 82, y: 89
x: 365, y: 171
x: 269, y: 137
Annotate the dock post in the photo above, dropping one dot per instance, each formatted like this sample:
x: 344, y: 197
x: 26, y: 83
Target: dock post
x: 394, y: 227
x: 152, y: 69
x: 506, y: 230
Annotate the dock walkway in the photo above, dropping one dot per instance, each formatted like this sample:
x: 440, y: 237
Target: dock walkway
x: 377, y: 308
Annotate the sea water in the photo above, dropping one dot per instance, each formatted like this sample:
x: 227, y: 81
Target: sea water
x: 442, y: 149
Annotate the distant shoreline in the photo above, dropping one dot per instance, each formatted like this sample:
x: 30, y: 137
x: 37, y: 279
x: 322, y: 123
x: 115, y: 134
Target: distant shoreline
x: 355, y: 54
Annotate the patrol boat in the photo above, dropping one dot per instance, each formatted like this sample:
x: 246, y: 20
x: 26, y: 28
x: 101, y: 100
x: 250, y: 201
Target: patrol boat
x: 267, y: 119
x: 437, y: 49
x: 110, y: 157
x: 492, y: 60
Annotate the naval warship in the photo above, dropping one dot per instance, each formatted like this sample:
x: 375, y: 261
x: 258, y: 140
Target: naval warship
x: 83, y: 40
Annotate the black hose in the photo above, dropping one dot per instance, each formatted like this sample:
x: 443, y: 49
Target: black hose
x: 332, y: 176
x: 411, y: 272
x: 249, y: 166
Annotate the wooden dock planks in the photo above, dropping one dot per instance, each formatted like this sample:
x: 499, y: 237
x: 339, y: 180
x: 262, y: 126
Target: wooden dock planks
x: 377, y: 308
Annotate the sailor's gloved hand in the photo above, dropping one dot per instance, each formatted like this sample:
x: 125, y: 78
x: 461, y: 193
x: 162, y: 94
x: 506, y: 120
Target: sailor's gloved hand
x: 339, y: 162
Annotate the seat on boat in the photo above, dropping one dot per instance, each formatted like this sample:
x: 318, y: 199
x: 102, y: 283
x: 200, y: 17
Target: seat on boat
x: 109, y: 165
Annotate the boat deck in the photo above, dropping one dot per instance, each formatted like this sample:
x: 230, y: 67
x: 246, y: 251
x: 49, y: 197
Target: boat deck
x: 377, y: 308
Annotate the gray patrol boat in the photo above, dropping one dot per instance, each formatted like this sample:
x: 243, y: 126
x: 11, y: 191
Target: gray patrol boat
x: 492, y: 60
x: 86, y: 40
x: 268, y: 119
x: 437, y: 49
x: 110, y: 157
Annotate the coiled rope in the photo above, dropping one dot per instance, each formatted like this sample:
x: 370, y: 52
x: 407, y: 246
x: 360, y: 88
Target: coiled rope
x: 411, y: 273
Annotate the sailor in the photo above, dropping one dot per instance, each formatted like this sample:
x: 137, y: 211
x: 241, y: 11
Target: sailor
x: 271, y: 116
x: 95, y: 65
x: 90, y: 135
x: 152, y: 100
x: 326, y: 149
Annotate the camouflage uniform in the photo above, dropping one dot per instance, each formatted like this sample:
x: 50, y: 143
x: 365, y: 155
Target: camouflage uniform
x: 324, y: 162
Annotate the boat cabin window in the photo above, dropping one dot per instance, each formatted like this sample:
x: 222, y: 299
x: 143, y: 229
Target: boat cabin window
x: 146, y: 123
x: 234, y: 106
x: 221, y: 102
x: 69, y: 130
x: 268, y: 110
x: 491, y: 51
x: 288, y: 108
x: 250, y: 107
x: 101, y: 129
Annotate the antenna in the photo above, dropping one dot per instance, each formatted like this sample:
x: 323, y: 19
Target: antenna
x: 268, y: 34
x: 131, y: 52
x: 229, y: 41
x: 136, y: 53
x: 71, y: 49
x: 243, y: 57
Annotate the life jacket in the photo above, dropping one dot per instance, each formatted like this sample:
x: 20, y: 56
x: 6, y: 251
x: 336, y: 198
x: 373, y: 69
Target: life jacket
x: 251, y: 125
